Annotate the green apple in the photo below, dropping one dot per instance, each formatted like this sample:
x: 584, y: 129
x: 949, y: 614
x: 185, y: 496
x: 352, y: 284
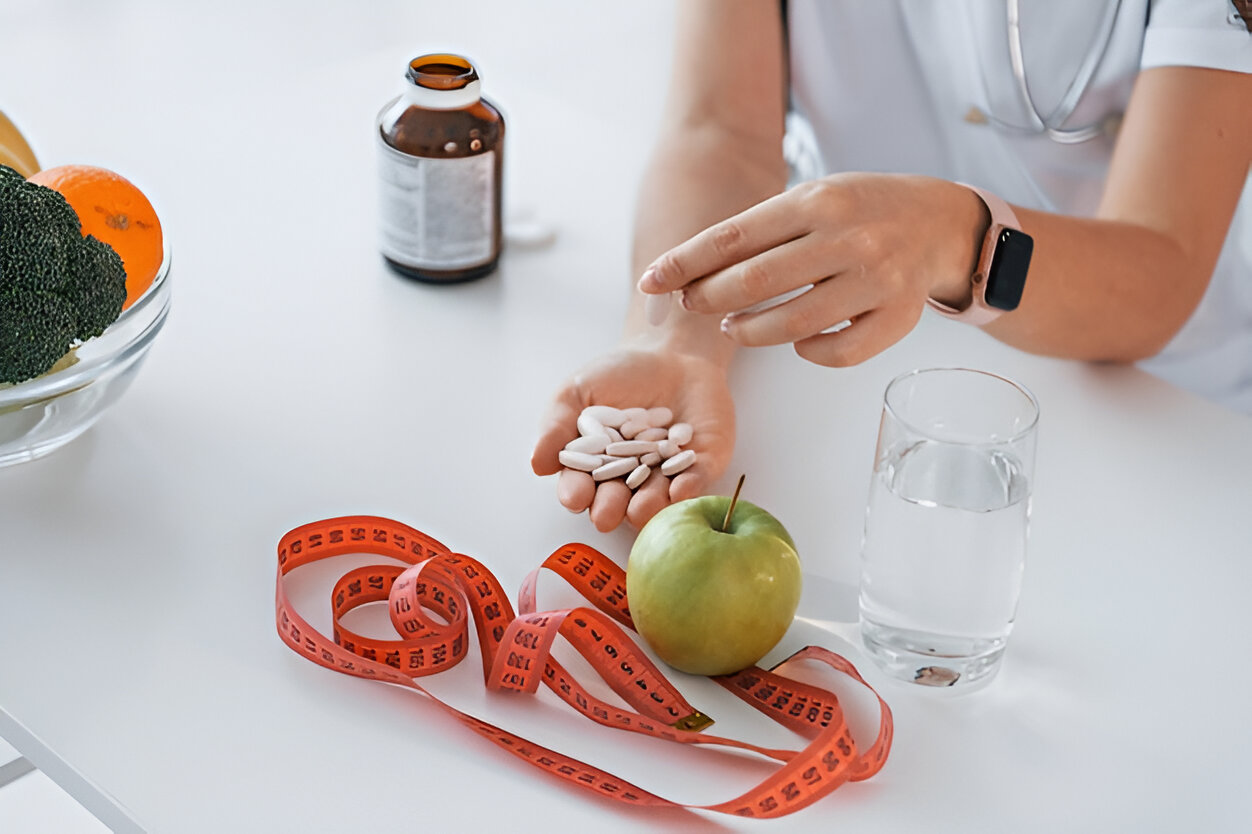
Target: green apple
x: 711, y: 601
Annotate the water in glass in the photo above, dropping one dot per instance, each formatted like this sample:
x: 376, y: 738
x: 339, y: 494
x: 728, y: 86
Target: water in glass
x: 943, y: 555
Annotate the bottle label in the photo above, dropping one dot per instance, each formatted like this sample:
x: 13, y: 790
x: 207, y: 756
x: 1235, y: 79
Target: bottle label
x: 437, y: 213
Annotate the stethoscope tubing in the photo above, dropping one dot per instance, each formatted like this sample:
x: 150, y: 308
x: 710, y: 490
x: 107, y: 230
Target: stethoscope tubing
x: 1049, y: 125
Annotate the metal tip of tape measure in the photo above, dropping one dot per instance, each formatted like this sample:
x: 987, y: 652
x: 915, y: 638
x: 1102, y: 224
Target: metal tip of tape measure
x: 693, y: 723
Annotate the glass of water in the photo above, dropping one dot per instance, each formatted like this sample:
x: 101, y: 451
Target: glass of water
x: 946, y: 525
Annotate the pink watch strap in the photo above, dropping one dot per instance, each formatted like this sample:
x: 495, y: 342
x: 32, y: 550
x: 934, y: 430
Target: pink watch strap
x: 1002, y: 217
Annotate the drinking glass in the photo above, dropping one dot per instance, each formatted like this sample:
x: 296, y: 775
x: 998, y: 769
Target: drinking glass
x: 946, y: 524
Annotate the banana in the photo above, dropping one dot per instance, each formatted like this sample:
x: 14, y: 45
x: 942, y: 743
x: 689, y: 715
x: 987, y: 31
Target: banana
x: 15, y: 151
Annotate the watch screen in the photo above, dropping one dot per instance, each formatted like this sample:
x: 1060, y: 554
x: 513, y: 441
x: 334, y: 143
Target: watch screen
x: 1007, y: 276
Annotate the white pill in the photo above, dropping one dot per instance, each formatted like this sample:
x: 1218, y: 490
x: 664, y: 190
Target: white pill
x: 653, y: 434
x: 681, y: 433
x: 651, y: 459
x: 637, y: 414
x: 667, y: 448
x: 676, y: 464
x: 638, y: 476
x: 614, y: 435
x: 630, y: 448
x: 589, y: 426
x: 660, y: 416
x: 656, y: 307
x: 632, y: 428
x: 528, y: 234
x: 606, y: 415
x: 581, y: 461
x: 592, y: 444
x: 616, y: 469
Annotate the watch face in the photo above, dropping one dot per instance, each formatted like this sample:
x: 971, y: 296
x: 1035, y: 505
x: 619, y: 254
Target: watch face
x: 1007, y: 276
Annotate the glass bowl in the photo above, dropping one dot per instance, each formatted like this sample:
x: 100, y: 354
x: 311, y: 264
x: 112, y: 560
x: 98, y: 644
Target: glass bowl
x: 43, y: 414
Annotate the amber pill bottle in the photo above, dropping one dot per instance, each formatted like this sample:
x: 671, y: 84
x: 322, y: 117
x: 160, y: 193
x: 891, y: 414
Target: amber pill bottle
x: 440, y: 166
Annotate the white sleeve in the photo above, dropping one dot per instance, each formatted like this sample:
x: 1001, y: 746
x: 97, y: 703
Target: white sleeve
x: 1196, y: 33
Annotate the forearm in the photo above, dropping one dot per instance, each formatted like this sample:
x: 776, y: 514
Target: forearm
x: 698, y: 176
x: 1101, y: 289
x: 1120, y: 286
x: 869, y: 248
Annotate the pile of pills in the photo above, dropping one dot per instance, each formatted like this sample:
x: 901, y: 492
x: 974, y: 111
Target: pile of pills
x: 628, y: 443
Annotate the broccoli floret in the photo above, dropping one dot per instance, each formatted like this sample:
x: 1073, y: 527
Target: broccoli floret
x: 35, y: 331
x: 55, y: 285
x: 101, y: 289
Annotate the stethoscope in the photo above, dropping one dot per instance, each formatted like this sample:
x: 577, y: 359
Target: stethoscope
x: 1050, y: 125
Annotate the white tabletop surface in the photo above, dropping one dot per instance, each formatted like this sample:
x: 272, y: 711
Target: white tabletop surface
x: 298, y: 379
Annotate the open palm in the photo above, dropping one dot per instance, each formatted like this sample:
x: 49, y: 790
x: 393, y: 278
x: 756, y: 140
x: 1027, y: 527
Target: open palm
x: 693, y: 388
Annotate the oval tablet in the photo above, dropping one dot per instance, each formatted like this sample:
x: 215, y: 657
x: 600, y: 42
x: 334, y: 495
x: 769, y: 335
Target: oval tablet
x: 678, y: 462
x: 590, y: 444
x: 529, y: 234
x: 656, y: 307
x: 654, y: 434
x: 660, y: 416
x: 650, y: 459
x: 681, y: 433
x: 632, y: 428
x: 630, y: 448
x: 638, y: 476
x: 606, y: 415
x: 616, y: 469
x: 579, y: 460
x: 589, y: 426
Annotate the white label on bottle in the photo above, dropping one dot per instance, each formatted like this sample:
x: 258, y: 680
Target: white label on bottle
x: 436, y: 213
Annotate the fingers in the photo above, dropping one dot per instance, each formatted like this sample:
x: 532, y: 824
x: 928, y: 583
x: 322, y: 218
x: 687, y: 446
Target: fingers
x: 774, y: 272
x: 764, y: 226
x: 612, y: 502
x: 869, y: 335
x: 651, y: 497
x: 559, y: 427
x: 608, y: 508
x: 827, y: 304
x: 575, y: 490
x: 689, y: 484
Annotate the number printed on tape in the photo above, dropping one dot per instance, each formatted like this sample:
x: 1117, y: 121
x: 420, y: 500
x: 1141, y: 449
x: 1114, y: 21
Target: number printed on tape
x: 516, y: 649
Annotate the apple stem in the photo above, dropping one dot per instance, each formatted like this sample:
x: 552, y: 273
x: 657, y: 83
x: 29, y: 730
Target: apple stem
x: 734, y: 499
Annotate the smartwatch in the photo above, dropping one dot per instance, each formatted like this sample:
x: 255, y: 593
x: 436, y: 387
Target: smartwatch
x: 998, y: 280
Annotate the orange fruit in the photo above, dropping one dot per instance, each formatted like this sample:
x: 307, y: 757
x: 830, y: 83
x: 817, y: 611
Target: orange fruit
x: 112, y: 209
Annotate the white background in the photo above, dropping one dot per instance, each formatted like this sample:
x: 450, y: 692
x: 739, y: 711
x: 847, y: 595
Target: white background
x: 297, y: 379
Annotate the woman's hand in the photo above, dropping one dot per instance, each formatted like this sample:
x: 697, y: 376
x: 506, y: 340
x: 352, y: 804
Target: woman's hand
x: 694, y: 388
x: 870, y: 247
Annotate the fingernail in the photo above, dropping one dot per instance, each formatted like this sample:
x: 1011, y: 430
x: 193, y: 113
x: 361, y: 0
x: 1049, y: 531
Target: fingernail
x: 648, y: 281
x: 683, y: 300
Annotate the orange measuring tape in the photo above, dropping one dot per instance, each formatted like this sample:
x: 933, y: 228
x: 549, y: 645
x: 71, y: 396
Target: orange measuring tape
x: 517, y: 656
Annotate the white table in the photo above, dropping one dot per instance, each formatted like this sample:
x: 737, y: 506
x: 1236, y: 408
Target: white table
x: 298, y: 379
